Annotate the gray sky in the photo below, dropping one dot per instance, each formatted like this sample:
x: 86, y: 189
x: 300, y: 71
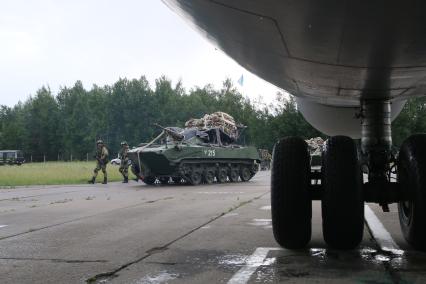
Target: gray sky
x: 55, y: 43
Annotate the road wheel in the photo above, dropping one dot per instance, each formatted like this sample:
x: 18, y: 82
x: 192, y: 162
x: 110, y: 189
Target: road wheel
x: 149, y: 180
x: 209, y: 176
x: 233, y: 175
x: 342, y: 203
x: 412, y: 180
x: 164, y: 180
x: 245, y: 174
x: 291, y: 206
x: 222, y: 175
x: 196, y: 178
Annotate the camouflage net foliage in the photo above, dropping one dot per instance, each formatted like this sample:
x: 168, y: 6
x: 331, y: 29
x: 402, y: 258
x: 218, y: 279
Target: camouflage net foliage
x: 265, y: 155
x: 315, y: 145
x: 218, y: 119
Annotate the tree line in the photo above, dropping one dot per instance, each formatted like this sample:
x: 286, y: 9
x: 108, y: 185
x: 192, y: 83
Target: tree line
x: 68, y: 124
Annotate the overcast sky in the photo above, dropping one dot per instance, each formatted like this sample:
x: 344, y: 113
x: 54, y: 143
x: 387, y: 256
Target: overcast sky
x: 55, y: 43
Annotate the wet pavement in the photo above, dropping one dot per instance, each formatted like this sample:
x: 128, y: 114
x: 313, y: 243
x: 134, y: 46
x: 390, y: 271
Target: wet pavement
x: 183, y: 234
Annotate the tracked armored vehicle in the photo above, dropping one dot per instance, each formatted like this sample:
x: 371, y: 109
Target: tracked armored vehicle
x: 194, y: 156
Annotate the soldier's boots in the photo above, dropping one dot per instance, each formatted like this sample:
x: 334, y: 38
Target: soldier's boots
x: 105, y: 181
x: 92, y: 181
x: 125, y: 180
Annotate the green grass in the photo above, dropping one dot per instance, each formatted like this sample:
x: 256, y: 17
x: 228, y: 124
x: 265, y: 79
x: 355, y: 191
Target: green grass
x: 50, y: 173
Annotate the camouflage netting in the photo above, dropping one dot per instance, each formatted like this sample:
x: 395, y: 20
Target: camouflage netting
x: 315, y: 145
x: 215, y: 120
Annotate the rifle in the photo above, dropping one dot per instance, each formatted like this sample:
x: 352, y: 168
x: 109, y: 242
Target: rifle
x: 101, y: 162
x: 176, y: 136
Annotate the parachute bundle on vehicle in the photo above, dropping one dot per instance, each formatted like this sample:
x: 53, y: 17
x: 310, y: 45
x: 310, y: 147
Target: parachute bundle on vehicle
x: 204, y: 152
x: 220, y: 120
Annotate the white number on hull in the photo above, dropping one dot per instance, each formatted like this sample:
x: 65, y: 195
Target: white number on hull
x: 210, y: 153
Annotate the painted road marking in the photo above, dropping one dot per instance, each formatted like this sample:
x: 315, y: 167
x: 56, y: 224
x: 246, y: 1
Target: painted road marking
x: 380, y: 234
x: 2, y: 226
x: 257, y: 259
x: 267, y: 207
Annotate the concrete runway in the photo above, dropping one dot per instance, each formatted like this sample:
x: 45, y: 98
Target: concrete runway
x: 182, y: 234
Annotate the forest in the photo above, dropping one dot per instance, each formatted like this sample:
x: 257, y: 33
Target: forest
x: 66, y: 125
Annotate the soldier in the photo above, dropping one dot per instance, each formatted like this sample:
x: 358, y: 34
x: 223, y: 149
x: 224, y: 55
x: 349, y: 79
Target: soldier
x: 124, y: 164
x: 101, y: 161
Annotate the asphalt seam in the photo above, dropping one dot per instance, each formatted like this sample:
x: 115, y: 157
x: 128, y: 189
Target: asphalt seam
x: 54, y: 260
x: 83, y: 218
x: 155, y: 250
x: 18, y: 198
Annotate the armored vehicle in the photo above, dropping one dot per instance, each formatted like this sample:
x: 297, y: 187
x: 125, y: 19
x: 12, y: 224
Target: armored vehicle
x: 194, y: 155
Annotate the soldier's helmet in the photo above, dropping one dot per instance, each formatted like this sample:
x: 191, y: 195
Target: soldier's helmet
x: 99, y: 142
x: 123, y: 143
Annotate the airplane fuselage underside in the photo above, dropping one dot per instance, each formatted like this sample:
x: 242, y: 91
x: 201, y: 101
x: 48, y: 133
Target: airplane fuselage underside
x: 332, y: 52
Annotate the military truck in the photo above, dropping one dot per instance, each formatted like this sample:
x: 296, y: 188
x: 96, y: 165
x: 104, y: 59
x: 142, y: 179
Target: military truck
x: 11, y: 157
x: 194, y: 155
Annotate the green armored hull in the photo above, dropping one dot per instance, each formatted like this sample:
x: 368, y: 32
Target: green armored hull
x: 193, y: 160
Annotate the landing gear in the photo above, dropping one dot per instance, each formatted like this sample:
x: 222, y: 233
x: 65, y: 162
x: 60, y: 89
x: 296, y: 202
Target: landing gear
x: 342, y: 202
x: 412, y: 179
x: 291, y: 204
x: 339, y: 184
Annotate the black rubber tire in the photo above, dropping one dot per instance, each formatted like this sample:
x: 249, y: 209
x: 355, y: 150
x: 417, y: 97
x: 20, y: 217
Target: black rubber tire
x: 222, y: 175
x: 233, y: 175
x: 412, y: 178
x: 245, y: 174
x: 208, y: 176
x: 149, y: 180
x: 291, y: 206
x: 177, y: 180
x: 342, y: 202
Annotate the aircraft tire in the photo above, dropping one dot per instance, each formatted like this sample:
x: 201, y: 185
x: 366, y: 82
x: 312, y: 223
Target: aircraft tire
x: 411, y: 167
x: 342, y: 203
x: 291, y: 206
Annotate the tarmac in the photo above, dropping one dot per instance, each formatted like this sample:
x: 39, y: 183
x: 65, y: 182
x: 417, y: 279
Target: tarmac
x: 219, y: 233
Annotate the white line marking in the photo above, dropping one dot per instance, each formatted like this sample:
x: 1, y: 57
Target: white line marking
x: 2, y: 226
x: 267, y: 207
x: 380, y: 234
x: 256, y: 260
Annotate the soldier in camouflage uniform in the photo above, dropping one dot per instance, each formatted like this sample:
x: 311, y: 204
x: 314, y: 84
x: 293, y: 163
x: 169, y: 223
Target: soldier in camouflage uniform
x: 124, y: 164
x: 101, y: 161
